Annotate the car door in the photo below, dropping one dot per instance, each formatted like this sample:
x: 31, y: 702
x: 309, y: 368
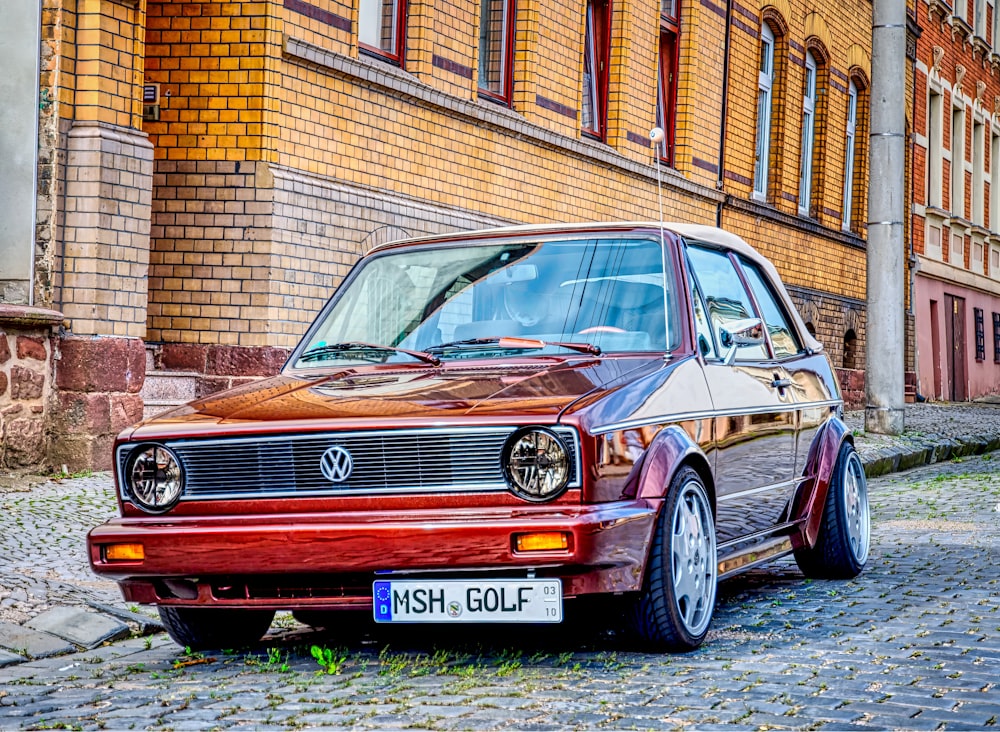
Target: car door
x: 810, y: 374
x: 754, y: 411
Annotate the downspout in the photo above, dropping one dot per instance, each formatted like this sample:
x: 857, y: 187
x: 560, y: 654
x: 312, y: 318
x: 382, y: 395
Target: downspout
x: 720, y: 183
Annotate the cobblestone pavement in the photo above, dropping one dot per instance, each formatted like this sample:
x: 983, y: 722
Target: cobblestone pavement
x: 912, y: 643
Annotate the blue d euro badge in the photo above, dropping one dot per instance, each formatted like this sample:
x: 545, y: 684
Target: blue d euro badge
x: 383, y: 602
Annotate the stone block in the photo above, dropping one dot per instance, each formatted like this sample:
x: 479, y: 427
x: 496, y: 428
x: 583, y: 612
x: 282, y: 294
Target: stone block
x: 3, y: 383
x: 83, y: 413
x: 4, y: 348
x: 206, y: 386
x: 28, y: 347
x: 32, y: 643
x: 82, y: 452
x: 126, y: 410
x: 183, y: 357
x: 101, y: 364
x: 24, y: 442
x: 25, y: 383
x: 244, y: 361
x: 78, y: 626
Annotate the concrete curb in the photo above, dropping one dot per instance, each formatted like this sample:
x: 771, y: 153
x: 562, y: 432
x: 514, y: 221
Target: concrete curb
x: 921, y: 451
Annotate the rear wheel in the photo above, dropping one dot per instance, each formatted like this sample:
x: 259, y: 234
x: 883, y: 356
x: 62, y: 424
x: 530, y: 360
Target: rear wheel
x: 675, y: 607
x: 844, y: 539
x: 197, y: 628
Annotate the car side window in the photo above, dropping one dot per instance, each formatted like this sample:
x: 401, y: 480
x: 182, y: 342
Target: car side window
x: 726, y: 298
x: 706, y: 343
x: 783, y: 339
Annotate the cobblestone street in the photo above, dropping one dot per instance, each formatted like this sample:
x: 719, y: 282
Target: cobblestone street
x: 913, y: 643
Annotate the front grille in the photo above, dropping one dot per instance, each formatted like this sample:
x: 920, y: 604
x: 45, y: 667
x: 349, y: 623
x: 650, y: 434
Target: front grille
x: 396, y: 461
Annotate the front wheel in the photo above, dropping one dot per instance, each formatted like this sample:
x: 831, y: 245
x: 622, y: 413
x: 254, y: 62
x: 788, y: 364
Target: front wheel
x: 844, y: 539
x: 675, y: 607
x: 197, y: 628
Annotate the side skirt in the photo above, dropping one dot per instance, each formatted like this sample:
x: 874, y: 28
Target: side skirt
x: 750, y: 556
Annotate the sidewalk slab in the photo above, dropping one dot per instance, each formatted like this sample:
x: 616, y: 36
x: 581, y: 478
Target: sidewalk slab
x: 32, y: 642
x: 78, y: 626
x: 6, y: 659
x: 144, y: 623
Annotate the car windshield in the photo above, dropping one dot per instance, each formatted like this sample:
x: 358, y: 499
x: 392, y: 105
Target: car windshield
x: 589, y: 295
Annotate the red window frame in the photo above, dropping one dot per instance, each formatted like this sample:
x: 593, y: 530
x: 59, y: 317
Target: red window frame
x: 397, y: 54
x: 503, y: 96
x: 597, y: 43
x: 666, y: 98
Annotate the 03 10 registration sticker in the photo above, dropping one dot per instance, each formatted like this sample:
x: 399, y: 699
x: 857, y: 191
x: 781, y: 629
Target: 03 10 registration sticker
x: 468, y: 601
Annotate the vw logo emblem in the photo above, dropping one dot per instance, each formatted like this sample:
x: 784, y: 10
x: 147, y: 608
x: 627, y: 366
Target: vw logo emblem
x: 336, y: 464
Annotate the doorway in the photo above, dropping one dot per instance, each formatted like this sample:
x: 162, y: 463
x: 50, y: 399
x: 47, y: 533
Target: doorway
x: 955, y: 338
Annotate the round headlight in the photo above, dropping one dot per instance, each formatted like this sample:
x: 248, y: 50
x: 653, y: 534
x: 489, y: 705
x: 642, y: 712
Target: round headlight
x: 153, y: 478
x: 536, y: 464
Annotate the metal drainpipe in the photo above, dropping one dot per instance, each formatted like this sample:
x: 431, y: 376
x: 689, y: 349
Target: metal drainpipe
x: 720, y: 184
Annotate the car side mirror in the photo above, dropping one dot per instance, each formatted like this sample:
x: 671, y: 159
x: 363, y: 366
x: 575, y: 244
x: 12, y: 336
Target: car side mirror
x: 738, y: 334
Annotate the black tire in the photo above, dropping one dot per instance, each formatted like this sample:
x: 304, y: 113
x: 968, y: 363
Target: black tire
x: 674, y: 610
x: 198, y: 628
x: 844, y: 540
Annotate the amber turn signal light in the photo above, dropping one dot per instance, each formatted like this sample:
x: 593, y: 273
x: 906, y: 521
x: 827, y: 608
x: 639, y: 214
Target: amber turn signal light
x: 542, y: 541
x: 124, y: 553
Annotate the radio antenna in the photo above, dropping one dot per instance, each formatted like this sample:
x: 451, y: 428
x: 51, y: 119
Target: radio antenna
x: 657, y: 136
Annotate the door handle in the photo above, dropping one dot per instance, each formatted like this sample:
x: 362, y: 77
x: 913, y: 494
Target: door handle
x: 781, y: 383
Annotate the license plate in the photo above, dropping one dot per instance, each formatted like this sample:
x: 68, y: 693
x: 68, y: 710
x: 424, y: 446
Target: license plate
x: 468, y: 601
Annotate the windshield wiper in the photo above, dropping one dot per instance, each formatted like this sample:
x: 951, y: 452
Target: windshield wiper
x: 515, y: 343
x: 335, y: 350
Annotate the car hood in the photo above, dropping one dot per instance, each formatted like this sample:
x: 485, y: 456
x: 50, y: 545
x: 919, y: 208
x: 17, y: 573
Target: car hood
x: 391, y: 395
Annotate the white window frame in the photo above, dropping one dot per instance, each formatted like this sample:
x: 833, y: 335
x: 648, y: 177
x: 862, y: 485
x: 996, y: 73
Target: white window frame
x: 849, y: 153
x: 977, y: 255
x: 994, y: 180
x: 932, y: 242
x: 978, y: 172
x: 962, y: 10
x: 996, y: 26
x: 765, y: 91
x: 808, y: 135
x: 956, y: 249
x: 935, y: 149
x: 957, y: 202
x: 979, y: 18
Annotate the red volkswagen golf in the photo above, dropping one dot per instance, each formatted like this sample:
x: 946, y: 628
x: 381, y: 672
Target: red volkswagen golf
x: 482, y: 427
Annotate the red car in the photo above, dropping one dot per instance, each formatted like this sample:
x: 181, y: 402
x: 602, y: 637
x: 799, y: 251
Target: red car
x: 482, y: 427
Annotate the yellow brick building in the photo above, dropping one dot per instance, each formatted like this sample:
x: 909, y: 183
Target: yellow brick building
x: 215, y: 167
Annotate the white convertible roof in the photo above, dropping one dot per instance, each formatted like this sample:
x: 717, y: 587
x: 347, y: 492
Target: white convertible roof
x: 695, y: 232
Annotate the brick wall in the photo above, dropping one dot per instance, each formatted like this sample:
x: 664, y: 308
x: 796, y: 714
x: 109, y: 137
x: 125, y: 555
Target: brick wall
x: 334, y: 147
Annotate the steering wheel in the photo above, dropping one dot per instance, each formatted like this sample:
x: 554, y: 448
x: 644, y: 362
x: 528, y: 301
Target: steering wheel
x: 601, y: 329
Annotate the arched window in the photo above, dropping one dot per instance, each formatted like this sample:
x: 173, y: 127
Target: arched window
x: 850, y: 349
x: 666, y: 91
x: 765, y: 104
x: 596, y: 53
x: 855, y: 160
x: 849, y: 153
x: 808, y: 135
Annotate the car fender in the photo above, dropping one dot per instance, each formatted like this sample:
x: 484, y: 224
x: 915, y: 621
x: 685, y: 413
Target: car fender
x: 823, y: 454
x: 671, y: 448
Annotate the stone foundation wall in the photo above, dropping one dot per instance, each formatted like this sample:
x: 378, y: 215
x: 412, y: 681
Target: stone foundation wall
x: 220, y: 367
x: 98, y: 381
x: 28, y: 347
